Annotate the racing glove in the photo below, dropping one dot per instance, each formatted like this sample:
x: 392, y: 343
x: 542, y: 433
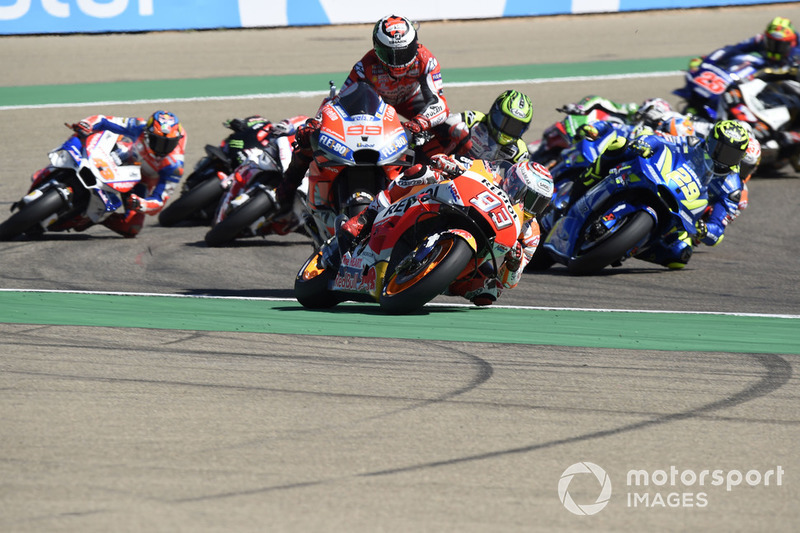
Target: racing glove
x: 283, y: 128
x: 694, y: 64
x: 514, y: 257
x: 587, y: 131
x: 416, y: 125
x: 82, y: 128
x: 641, y: 148
x: 447, y: 164
x: 572, y: 109
x: 702, y: 231
x: 303, y: 134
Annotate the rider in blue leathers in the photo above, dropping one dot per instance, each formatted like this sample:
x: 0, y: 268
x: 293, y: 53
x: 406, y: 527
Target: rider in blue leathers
x: 716, y: 158
x: 777, y: 46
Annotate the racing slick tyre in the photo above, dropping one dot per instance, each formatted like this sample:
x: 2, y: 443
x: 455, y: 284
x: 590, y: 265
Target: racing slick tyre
x: 204, y: 196
x: 540, y: 261
x: 240, y: 218
x: 50, y: 203
x: 612, y: 246
x: 311, y: 285
x: 417, y: 280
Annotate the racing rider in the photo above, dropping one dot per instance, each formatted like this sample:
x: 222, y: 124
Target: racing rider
x: 778, y: 47
x: 404, y: 73
x: 158, y: 143
x: 526, y: 183
x: 717, y: 157
x: 494, y: 136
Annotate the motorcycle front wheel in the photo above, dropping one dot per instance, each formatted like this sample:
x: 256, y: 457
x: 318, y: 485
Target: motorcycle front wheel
x: 311, y: 285
x: 614, y: 246
x: 205, y: 195
x: 241, y: 217
x: 415, y: 282
x: 50, y: 203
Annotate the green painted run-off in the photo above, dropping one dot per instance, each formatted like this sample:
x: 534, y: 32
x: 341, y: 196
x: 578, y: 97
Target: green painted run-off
x: 256, y: 85
x: 596, y: 329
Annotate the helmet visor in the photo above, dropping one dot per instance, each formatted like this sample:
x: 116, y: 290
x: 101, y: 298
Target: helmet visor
x: 533, y: 203
x: 777, y: 49
x: 396, y: 57
x: 724, y: 155
x: 511, y: 126
x: 161, y: 146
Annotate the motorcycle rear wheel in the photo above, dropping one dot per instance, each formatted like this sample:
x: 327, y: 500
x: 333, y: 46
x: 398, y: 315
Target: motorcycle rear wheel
x: 205, y: 195
x: 631, y: 231
x: 241, y: 217
x: 311, y: 285
x: 50, y: 203
x: 411, y: 286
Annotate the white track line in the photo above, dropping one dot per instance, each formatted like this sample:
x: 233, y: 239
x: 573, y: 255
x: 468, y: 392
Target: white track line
x: 522, y: 307
x: 308, y: 94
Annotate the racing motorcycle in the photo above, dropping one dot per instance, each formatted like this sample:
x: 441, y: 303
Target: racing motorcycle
x: 770, y: 108
x: 625, y: 214
x: 418, y: 247
x: 361, y: 148
x: 561, y: 135
x: 248, y: 205
x: 706, y: 85
x: 82, y: 187
x: 203, y: 189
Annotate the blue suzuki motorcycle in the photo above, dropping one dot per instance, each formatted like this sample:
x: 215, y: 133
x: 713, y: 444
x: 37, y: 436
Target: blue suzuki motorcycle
x: 627, y: 212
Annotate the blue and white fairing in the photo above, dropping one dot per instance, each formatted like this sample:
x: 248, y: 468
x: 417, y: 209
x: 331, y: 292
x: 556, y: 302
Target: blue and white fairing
x: 667, y: 185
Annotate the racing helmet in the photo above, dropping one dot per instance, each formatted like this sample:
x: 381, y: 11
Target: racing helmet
x: 726, y: 144
x: 163, y: 132
x: 779, y: 39
x: 510, y: 116
x: 394, y: 40
x: 678, y: 125
x: 529, y: 184
x: 653, y: 111
x: 751, y: 159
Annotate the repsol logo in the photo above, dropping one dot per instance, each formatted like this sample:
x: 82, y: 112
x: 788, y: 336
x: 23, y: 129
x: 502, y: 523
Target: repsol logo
x: 62, y: 8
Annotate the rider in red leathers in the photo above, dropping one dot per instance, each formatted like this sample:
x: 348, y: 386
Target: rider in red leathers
x: 406, y: 75
x: 526, y: 183
x: 158, y: 143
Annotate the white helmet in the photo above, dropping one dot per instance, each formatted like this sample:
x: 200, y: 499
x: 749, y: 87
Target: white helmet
x: 530, y: 184
x: 653, y: 111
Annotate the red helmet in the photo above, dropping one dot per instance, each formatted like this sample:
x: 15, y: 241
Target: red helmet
x: 163, y: 133
x: 779, y: 39
x: 394, y: 39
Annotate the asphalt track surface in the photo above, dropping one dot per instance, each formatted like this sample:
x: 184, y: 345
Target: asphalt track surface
x: 202, y: 429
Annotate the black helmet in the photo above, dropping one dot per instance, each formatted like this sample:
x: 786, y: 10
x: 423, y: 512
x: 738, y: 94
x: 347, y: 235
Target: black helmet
x: 727, y: 145
x: 394, y: 39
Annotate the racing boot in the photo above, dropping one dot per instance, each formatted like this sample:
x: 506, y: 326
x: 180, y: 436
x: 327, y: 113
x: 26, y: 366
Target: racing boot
x: 128, y: 225
x: 292, y: 178
x: 356, y: 227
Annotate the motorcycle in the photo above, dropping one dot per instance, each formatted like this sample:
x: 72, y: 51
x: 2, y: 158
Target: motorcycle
x: 706, y: 85
x: 248, y: 206
x: 205, y: 186
x: 361, y: 148
x: 561, y: 135
x: 625, y: 214
x: 82, y: 187
x: 418, y: 247
x: 770, y: 108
